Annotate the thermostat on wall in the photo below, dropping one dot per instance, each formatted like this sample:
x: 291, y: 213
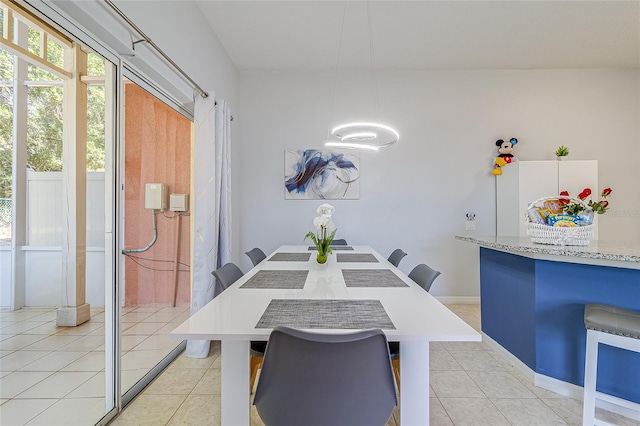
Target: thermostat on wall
x: 179, y: 202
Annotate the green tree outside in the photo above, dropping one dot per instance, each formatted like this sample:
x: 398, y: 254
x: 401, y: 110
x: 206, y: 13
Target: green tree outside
x: 44, y: 116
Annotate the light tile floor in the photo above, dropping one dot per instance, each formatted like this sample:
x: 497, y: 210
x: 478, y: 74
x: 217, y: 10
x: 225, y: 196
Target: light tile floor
x: 52, y: 375
x: 471, y: 384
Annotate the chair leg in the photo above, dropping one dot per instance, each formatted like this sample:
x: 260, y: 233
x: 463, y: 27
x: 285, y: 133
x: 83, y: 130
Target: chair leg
x: 396, y: 371
x: 256, y: 363
x: 590, y: 373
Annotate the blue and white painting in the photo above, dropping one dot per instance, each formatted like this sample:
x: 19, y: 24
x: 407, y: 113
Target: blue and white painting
x: 314, y: 174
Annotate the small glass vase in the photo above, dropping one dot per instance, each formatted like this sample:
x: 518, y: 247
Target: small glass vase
x: 322, y: 258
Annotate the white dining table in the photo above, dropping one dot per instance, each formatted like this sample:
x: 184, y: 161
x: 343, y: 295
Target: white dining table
x: 418, y: 318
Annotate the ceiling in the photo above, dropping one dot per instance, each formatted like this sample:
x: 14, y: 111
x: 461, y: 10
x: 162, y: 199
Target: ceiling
x: 434, y: 35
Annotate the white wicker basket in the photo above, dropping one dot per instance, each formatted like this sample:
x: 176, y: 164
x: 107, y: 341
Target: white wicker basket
x: 570, y: 236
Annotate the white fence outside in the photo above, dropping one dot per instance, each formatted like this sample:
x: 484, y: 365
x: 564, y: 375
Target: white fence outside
x: 43, y: 253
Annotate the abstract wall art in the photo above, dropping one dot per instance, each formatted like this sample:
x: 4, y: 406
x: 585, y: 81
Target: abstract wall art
x: 314, y: 174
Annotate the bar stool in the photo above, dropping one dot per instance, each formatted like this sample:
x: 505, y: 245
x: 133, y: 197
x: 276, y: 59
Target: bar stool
x: 612, y: 326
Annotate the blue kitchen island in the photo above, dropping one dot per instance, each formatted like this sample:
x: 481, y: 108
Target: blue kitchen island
x: 532, y: 304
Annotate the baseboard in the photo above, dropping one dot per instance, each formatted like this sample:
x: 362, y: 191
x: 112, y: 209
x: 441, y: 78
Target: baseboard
x: 459, y: 300
x: 610, y: 403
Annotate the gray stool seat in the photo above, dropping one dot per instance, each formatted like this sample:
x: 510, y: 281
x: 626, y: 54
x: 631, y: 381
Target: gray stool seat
x: 609, y: 325
x: 612, y: 320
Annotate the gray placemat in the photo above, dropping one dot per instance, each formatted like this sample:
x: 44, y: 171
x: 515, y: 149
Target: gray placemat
x: 357, y: 257
x: 334, y: 248
x: 291, y: 257
x: 372, y: 278
x: 325, y: 313
x: 277, y: 279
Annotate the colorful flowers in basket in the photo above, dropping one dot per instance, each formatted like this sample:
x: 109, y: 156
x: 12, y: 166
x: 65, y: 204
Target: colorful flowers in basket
x: 574, y: 208
x: 565, y: 211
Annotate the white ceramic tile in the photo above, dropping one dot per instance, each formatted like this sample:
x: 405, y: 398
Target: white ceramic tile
x: 97, y: 317
x: 19, y: 359
x: 23, y: 315
x: 18, y: 382
x: 476, y: 361
x: 437, y: 414
x: 454, y: 384
x: 7, y: 336
x: 21, y: 341
x: 129, y: 342
x: 150, y: 410
x: 51, y: 315
x: 71, y: 412
x: 92, y: 388
x: 183, y: 361
x: 165, y: 317
x: 21, y: 327
x: 84, y: 343
x: 54, y: 342
x: 167, y: 328
x: 443, y: 361
x: 19, y: 411
x: 93, y: 361
x: 46, y: 328
x: 148, y: 309
x: 570, y: 410
x: 55, y: 361
x: 436, y: 346
x: 209, y: 384
x: 144, y: 328
x: 500, y: 384
x: 56, y: 386
x: 157, y: 342
x: 176, y: 381
x: 473, y: 411
x: 134, y: 316
x: 463, y: 346
x: 80, y: 330
x: 197, y: 410
x: 133, y: 360
x: 528, y: 412
x: 131, y: 377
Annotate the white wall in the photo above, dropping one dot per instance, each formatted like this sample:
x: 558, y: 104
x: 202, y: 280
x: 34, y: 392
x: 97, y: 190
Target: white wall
x: 414, y: 195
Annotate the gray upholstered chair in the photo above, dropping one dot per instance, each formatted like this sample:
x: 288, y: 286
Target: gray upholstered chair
x: 339, y: 242
x: 424, y: 276
x: 396, y: 256
x: 325, y: 379
x: 256, y: 255
x: 225, y: 276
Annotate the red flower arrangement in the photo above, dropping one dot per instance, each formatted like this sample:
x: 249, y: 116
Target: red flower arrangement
x: 574, y: 208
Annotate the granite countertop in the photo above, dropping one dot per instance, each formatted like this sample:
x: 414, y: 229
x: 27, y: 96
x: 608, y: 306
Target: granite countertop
x: 597, y: 249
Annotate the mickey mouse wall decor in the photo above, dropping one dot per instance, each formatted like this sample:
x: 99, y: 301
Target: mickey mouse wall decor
x: 505, y: 155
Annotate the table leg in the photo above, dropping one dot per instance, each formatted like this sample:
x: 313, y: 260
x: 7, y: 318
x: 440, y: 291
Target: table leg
x: 414, y: 383
x: 236, y: 408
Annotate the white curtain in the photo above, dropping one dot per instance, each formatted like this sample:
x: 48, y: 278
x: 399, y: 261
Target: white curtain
x: 212, y: 203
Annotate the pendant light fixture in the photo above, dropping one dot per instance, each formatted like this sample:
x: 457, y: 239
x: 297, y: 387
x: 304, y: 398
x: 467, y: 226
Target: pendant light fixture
x: 366, y: 135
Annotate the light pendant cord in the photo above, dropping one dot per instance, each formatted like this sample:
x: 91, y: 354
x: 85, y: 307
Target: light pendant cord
x: 335, y: 77
x: 373, y: 63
